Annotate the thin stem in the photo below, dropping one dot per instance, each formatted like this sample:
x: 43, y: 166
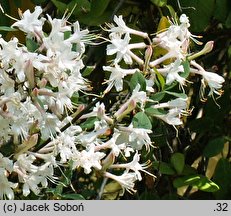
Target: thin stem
x: 102, y: 188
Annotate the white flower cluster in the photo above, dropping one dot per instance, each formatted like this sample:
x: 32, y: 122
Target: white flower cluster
x: 36, y: 90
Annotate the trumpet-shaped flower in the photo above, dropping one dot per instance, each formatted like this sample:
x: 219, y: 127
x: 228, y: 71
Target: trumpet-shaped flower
x: 88, y: 159
x: 6, y: 186
x: 213, y: 80
x: 134, y: 165
x: 180, y: 103
x: 126, y: 180
x: 172, y: 117
x: 30, y: 22
x: 6, y: 163
x: 119, y: 47
x: 117, y: 75
x: 172, y: 71
x: 122, y: 28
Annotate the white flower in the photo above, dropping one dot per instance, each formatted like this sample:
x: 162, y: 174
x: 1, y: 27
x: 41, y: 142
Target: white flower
x: 126, y: 180
x: 213, y: 80
x: 134, y: 165
x: 88, y: 159
x: 173, y: 117
x: 119, y: 47
x: 6, y: 163
x: 139, y: 137
x: 117, y: 75
x: 80, y: 37
x: 25, y: 164
x: 180, y: 103
x: 58, y: 26
x: 7, y: 84
x: 86, y: 138
x: 135, y: 137
x: 30, y: 22
x: 175, y: 40
x: 123, y: 29
x: 65, y: 146
x: 30, y: 183
x: 49, y: 125
x: 111, y: 144
x: 172, y: 71
x: 136, y: 97
x: 6, y: 186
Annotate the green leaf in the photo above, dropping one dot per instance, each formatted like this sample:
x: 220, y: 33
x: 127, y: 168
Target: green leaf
x: 6, y: 28
x: 112, y: 190
x: 138, y: 78
x: 222, y: 176
x: 214, y: 147
x: 60, y: 5
x: 141, y: 120
x: 75, y: 98
x: 188, y: 170
x: 178, y: 95
x: 72, y: 197
x: 171, y: 10
x: 185, y: 180
x: 37, y: 2
x: 164, y: 168
x: 155, y: 112
x: 159, y: 3
x: 204, y: 184
x: 160, y: 81
x: 158, y: 96
x: 200, y: 13
x: 221, y: 10
x: 228, y: 21
x: 178, y: 162
x: 31, y: 45
x: 88, y: 70
x: 90, y: 20
x: 89, y: 123
x: 201, y: 125
x: 98, y: 7
x: 200, y: 182
x: 186, y: 72
x: 82, y: 7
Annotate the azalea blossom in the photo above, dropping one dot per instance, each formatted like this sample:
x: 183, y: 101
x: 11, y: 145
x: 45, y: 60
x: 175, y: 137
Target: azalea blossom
x: 6, y: 187
x: 175, y: 40
x: 117, y: 75
x: 121, y: 47
x: 213, y: 80
x: 137, y: 137
x: 6, y: 163
x: 172, y: 117
x: 136, y: 97
x: 180, y: 103
x: 134, y: 165
x: 88, y: 159
x: 126, y: 180
x: 122, y: 28
x: 172, y: 71
x: 30, y: 22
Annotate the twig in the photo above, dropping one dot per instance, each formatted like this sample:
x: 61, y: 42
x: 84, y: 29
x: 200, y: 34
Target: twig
x: 102, y: 188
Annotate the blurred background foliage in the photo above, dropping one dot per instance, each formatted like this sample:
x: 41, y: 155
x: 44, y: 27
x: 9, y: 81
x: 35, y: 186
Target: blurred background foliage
x: 197, y: 164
